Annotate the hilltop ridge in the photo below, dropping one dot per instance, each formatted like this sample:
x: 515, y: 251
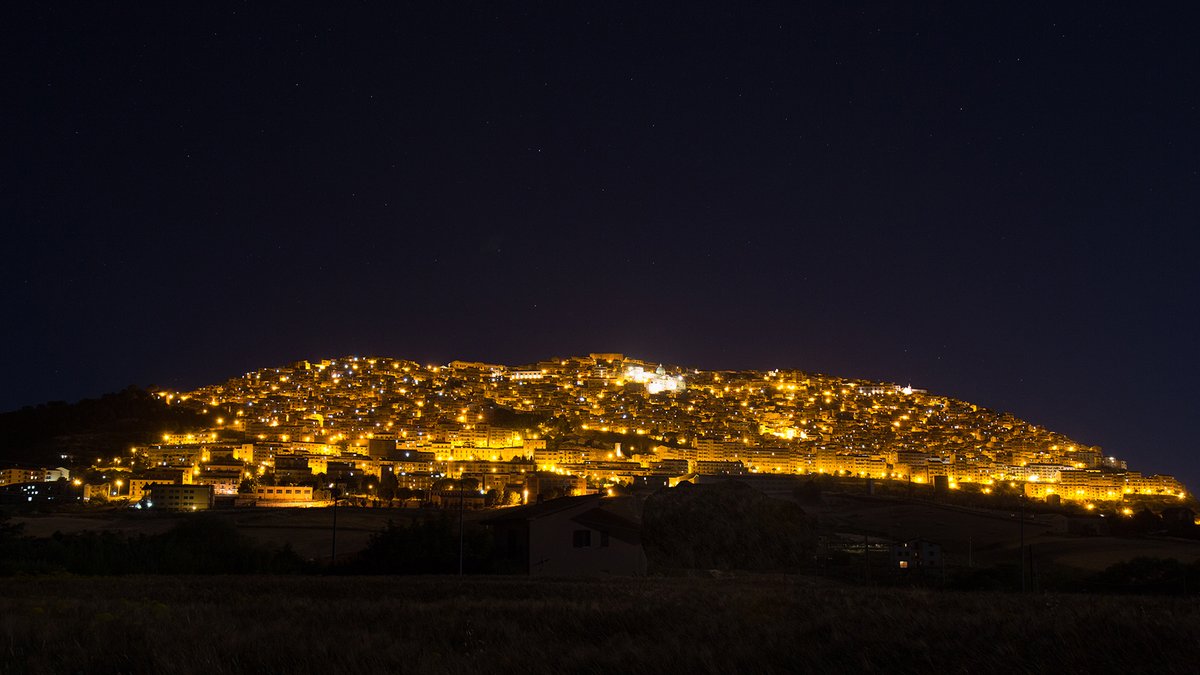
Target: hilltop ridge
x: 609, y: 417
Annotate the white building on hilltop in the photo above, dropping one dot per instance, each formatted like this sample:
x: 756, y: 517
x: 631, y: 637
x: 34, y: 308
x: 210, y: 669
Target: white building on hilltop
x: 656, y: 382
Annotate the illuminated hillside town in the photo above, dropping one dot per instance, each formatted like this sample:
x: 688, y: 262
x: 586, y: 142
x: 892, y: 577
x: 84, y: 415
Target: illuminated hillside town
x: 479, y: 434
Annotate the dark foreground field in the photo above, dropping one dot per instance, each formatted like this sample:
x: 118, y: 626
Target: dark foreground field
x: 448, y: 625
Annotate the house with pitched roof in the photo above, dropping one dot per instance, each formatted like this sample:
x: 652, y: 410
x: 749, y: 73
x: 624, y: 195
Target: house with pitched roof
x: 568, y: 537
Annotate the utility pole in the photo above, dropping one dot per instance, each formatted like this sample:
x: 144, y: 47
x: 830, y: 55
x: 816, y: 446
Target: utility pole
x: 333, y: 545
x: 462, y: 495
x: 1021, y: 530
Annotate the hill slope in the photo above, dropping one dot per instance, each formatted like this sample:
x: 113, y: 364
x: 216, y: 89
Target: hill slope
x: 91, y: 427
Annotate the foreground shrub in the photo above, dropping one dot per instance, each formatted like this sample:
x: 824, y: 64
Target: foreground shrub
x: 199, y: 545
x: 423, y: 546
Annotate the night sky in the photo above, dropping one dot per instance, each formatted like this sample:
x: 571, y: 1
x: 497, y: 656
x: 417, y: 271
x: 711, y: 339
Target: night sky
x: 990, y: 202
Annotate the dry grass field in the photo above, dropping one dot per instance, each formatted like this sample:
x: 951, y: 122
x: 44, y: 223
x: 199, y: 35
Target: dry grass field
x: 760, y: 624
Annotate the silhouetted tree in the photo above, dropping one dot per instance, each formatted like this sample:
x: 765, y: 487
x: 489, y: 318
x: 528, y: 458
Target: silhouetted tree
x: 725, y: 526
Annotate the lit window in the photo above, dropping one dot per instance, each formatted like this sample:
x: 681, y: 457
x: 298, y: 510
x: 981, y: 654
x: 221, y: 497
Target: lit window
x: 903, y: 564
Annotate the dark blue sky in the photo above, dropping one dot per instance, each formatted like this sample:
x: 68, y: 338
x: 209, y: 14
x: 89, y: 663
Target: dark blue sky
x: 992, y: 202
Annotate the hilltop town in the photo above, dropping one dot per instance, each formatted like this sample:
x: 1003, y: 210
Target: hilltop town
x: 383, y: 429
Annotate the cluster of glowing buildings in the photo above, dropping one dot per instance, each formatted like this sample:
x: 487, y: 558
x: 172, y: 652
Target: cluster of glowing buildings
x: 591, y: 422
